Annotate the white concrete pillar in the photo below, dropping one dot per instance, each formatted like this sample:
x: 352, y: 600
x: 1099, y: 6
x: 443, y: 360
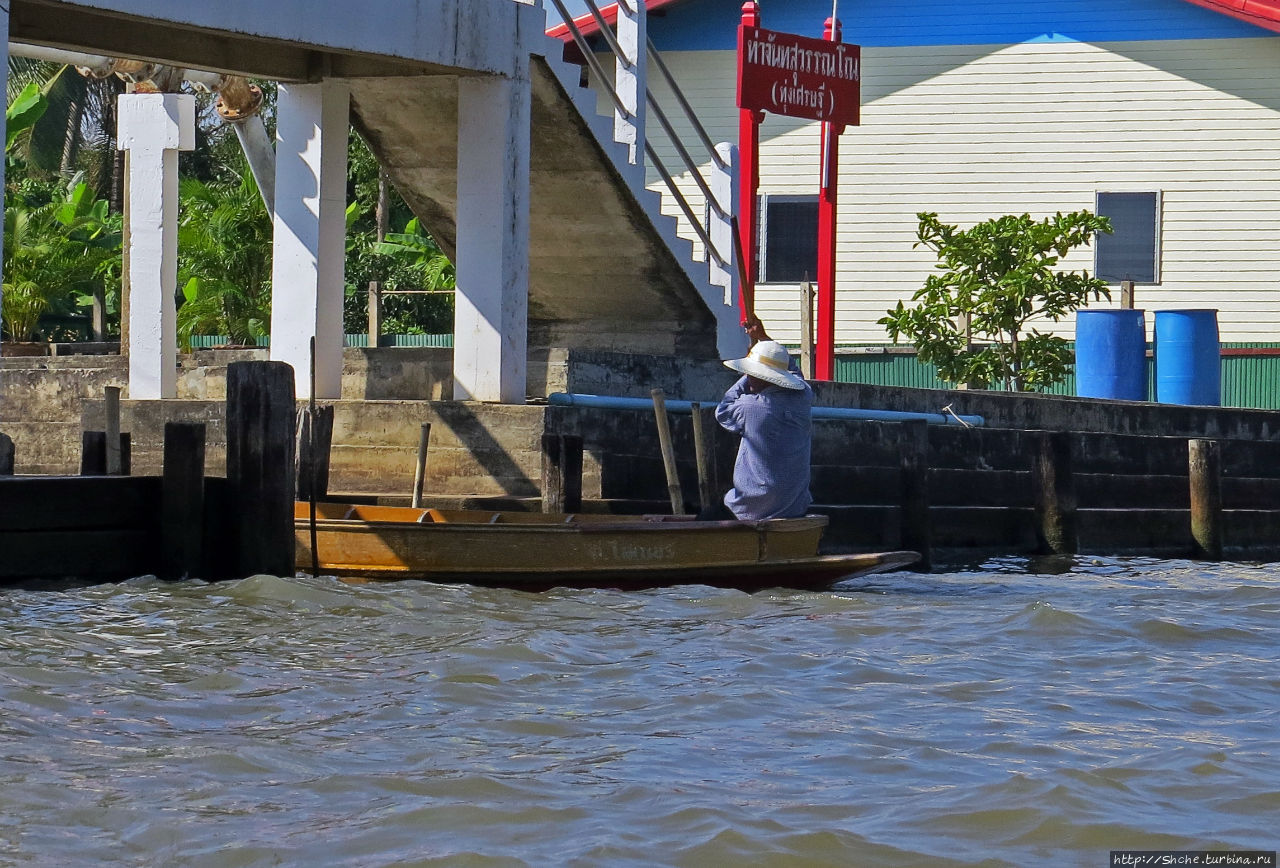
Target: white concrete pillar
x: 309, y: 248
x: 724, y: 186
x: 731, y: 340
x: 152, y: 128
x: 491, y: 318
x: 629, y: 76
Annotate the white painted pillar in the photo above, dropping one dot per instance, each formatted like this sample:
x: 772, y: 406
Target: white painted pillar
x: 491, y: 316
x: 152, y: 128
x: 731, y: 340
x: 724, y: 186
x: 629, y: 76
x: 309, y: 247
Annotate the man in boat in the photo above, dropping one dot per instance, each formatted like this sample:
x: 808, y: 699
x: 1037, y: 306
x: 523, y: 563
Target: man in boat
x: 769, y: 409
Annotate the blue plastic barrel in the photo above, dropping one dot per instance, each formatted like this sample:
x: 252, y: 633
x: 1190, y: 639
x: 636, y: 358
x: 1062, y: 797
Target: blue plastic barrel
x: 1111, y: 354
x: 1188, y: 367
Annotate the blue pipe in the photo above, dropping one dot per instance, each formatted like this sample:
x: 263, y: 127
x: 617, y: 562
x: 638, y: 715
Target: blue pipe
x: 567, y: 399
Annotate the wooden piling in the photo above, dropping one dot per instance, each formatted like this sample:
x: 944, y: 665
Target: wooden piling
x: 1126, y: 294
x: 6, y: 455
x: 260, y: 465
x: 561, y: 473
x: 315, y: 439
x: 668, y: 452
x: 93, y: 453
x: 571, y: 471
x: 375, y: 313
x: 704, y: 451
x: 1205, y: 471
x: 420, y: 468
x: 1056, y: 526
x: 806, y: 330
x: 915, y: 529
x: 182, y: 501
x: 112, y: 409
x: 552, y: 479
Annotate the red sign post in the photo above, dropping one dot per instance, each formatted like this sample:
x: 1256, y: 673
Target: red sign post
x: 796, y: 76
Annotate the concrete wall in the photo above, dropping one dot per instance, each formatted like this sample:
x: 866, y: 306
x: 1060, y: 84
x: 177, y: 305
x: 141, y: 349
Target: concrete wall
x: 1062, y: 413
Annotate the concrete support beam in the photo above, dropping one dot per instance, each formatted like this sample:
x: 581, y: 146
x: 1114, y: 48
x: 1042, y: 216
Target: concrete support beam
x: 629, y: 77
x: 724, y: 184
x: 491, y: 319
x: 153, y: 127
x: 731, y: 341
x: 310, y: 232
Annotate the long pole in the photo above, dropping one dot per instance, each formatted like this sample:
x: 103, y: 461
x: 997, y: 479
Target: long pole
x: 311, y: 464
x: 826, y: 348
x: 668, y: 452
x: 420, y: 469
x: 748, y: 176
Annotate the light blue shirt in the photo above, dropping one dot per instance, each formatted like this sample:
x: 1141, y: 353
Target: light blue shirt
x: 771, y: 475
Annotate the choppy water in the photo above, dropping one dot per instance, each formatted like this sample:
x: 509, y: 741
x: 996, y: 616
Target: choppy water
x: 998, y: 716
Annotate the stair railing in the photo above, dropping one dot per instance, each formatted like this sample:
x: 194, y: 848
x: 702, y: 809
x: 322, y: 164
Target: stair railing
x: 720, y: 207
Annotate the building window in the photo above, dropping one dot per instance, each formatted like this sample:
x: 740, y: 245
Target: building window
x: 788, y: 239
x: 1132, y: 250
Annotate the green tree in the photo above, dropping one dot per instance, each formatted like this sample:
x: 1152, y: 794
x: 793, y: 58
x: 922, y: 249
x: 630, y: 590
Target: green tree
x: 224, y: 258
x: 57, y: 256
x: 77, y: 132
x: 61, y: 245
x: 408, y: 260
x: 971, y: 320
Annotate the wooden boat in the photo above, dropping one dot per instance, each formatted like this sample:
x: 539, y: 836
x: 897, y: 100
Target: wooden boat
x: 539, y: 551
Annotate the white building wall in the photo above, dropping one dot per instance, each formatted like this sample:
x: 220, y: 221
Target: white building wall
x: 979, y: 131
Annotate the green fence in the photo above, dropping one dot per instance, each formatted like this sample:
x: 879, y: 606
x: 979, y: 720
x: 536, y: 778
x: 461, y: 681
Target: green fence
x: 204, y: 342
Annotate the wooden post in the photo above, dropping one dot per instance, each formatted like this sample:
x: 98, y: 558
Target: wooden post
x: 99, y: 315
x: 704, y: 451
x: 806, y: 330
x: 561, y: 473
x: 552, y: 476
x: 916, y: 532
x: 1051, y: 470
x: 375, y: 313
x: 1205, y: 466
x: 1126, y: 294
x: 6, y: 455
x: 420, y: 469
x: 668, y: 452
x: 93, y: 453
x: 112, y: 410
x: 260, y: 465
x: 571, y: 471
x: 182, y: 501
x: 311, y: 455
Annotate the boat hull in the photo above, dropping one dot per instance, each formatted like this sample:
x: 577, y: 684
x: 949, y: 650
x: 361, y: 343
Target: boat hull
x: 535, y: 551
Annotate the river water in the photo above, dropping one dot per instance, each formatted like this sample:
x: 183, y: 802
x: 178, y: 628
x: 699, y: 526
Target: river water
x: 1012, y: 713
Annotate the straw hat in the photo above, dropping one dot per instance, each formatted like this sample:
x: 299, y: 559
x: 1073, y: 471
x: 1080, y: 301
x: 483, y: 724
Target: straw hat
x: 768, y: 361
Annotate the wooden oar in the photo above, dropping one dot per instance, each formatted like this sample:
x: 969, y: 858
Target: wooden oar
x: 668, y: 452
x: 420, y: 469
x: 311, y: 465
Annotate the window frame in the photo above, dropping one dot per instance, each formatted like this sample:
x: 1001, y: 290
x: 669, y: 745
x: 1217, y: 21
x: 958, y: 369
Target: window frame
x: 1157, y: 241
x: 762, y: 236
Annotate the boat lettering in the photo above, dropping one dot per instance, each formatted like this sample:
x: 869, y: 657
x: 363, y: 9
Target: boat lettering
x: 630, y: 553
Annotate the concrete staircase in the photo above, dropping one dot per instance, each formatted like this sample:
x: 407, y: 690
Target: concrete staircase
x: 607, y: 270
